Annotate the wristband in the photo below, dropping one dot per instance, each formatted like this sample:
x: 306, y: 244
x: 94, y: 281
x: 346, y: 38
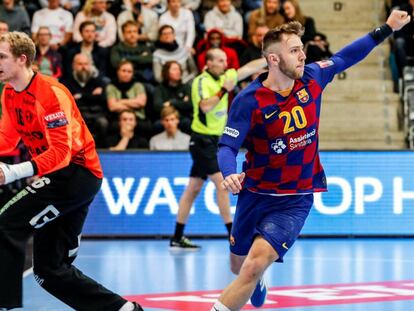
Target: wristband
x: 16, y: 171
x: 223, y: 91
x: 379, y: 34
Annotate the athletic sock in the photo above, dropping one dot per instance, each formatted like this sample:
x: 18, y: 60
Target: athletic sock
x: 228, y: 227
x: 179, y: 231
x: 128, y: 306
x: 218, y: 306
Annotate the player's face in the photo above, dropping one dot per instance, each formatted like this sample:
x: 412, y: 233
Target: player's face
x: 292, y: 57
x: 10, y: 65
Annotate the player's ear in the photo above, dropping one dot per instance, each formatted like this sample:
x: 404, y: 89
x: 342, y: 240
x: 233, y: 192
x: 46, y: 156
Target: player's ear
x: 274, y: 59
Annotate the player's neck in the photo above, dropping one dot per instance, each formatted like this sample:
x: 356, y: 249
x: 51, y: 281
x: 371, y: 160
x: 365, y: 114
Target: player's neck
x: 23, y: 80
x: 278, y: 82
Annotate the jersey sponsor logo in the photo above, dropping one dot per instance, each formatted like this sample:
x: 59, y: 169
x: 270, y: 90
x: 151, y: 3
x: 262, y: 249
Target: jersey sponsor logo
x: 231, y: 132
x: 288, y: 296
x: 301, y: 141
x: 325, y: 63
x: 221, y: 113
x: 303, y: 96
x: 279, y: 146
x: 55, y: 120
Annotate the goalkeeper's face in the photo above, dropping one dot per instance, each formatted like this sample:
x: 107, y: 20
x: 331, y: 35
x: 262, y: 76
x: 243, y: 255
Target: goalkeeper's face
x: 292, y: 57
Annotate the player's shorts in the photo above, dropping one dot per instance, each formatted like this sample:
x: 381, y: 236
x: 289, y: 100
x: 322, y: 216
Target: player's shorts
x: 203, y: 149
x: 278, y: 219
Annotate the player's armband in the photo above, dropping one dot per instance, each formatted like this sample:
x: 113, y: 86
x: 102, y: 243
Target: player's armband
x: 381, y: 33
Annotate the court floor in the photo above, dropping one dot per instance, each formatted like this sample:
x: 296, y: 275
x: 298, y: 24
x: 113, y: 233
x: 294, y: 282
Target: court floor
x: 318, y: 274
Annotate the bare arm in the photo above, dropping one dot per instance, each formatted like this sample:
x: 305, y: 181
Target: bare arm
x: 251, y: 68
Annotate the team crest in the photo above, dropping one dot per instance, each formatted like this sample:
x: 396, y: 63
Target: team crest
x: 303, y: 95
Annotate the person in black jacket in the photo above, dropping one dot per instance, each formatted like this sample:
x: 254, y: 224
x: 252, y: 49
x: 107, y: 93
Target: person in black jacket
x: 89, y: 93
x: 172, y: 92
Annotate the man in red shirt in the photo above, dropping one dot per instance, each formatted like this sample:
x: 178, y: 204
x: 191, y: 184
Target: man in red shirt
x: 43, y: 114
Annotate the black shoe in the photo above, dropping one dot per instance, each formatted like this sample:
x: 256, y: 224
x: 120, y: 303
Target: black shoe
x: 183, y: 244
x: 137, y: 307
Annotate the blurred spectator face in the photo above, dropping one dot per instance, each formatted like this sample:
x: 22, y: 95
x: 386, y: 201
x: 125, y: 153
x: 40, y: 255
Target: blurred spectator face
x: 99, y: 6
x: 127, y: 119
x: 170, y: 123
x: 271, y: 6
x: 131, y: 34
x: 411, y: 2
x: 53, y: 4
x: 89, y: 33
x: 44, y: 36
x: 259, y: 35
x: 174, y: 5
x: 82, y: 69
x: 218, y: 65
x: 174, y: 73
x: 4, y: 28
x: 125, y: 73
x: 224, y: 6
x: 8, y: 3
x: 215, y: 39
x: 289, y: 9
x: 167, y: 35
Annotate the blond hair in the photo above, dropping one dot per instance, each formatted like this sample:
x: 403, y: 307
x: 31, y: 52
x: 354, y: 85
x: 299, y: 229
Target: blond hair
x: 20, y: 44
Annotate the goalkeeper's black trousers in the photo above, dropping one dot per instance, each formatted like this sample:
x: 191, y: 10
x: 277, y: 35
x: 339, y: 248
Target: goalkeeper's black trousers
x: 53, y: 209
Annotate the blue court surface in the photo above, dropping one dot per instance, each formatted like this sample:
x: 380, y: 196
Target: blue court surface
x: 318, y: 274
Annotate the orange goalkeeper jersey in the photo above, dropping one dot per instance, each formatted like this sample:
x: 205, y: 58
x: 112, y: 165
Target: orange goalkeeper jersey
x: 46, y: 118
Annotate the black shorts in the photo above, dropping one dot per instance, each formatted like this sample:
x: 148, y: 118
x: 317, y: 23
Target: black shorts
x: 203, y: 149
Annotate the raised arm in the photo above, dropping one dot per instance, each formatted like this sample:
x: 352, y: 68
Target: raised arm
x: 251, y: 68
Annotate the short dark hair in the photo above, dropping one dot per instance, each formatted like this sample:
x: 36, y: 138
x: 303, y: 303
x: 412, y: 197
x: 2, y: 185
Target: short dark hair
x: 129, y: 23
x: 85, y: 24
x: 165, y: 27
x: 275, y: 35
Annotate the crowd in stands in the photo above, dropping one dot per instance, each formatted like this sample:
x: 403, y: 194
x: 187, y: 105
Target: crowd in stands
x: 130, y: 63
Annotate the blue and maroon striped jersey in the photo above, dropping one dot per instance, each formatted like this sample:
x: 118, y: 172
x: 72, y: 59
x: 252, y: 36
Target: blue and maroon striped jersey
x: 281, y: 133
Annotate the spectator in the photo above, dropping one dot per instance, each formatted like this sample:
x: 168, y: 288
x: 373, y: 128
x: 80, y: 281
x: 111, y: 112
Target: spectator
x: 254, y: 49
x: 167, y: 49
x: 251, y: 5
x: 207, y: 5
x: 225, y: 18
x: 293, y: 12
x: 139, y: 54
x: 126, y: 138
x: 317, y: 49
x: 15, y: 16
x: 49, y: 61
x: 4, y: 27
x: 268, y: 14
x: 171, y: 138
x: 182, y: 21
x: 124, y: 93
x: 146, y: 18
x: 95, y: 10
x: 99, y: 56
x: 216, y: 39
x: 88, y: 91
x: 59, y: 21
x: 404, y: 39
x: 173, y: 92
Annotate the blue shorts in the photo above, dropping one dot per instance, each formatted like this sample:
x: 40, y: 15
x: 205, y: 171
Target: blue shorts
x: 278, y: 219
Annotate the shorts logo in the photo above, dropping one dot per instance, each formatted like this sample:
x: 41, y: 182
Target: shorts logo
x: 231, y: 132
x: 303, y: 95
x: 278, y: 146
x: 232, y: 241
x: 284, y: 245
x: 325, y: 63
x: 55, y: 120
